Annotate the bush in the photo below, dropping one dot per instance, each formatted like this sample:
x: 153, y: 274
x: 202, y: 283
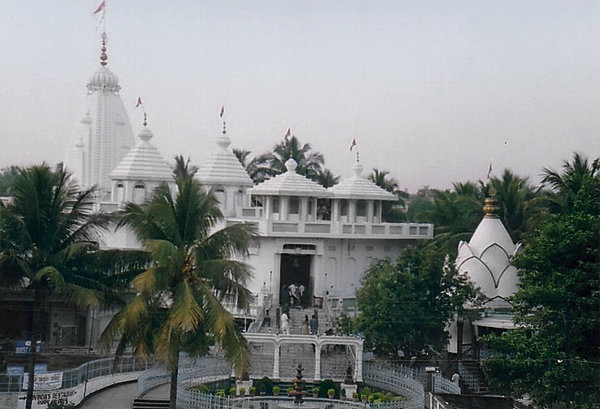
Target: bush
x: 242, y: 391
x: 326, y: 385
x: 331, y: 392
x: 232, y: 391
x: 276, y: 390
x: 201, y: 388
x: 315, y: 391
x: 265, y: 385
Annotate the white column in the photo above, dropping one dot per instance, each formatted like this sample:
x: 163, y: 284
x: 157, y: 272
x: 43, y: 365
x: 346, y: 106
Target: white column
x: 335, y: 210
x: 276, y: 362
x: 370, y: 211
x: 283, y: 208
x: 304, y: 208
x: 358, y: 376
x: 317, y: 361
x: 352, y: 211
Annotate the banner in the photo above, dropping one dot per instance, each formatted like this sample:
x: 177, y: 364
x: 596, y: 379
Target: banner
x: 44, y: 381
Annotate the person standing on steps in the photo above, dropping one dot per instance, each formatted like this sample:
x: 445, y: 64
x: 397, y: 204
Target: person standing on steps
x: 305, y: 325
x: 313, y: 325
x: 285, y: 323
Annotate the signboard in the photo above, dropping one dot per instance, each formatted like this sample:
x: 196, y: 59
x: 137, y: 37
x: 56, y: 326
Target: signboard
x: 15, y: 370
x: 40, y: 368
x: 22, y: 347
x: 44, y: 381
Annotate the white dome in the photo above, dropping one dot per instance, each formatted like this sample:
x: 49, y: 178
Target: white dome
x: 487, y: 257
x: 358, y: 187
x: 103, y: 79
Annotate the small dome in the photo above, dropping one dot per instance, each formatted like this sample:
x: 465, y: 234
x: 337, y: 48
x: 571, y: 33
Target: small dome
x: 103, y: 79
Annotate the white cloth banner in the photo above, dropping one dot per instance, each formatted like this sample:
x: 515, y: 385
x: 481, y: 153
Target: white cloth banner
x: 44, y: 381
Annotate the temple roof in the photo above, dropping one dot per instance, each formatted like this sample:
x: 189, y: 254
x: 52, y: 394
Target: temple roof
x: 143, y: 162
x: 222, y: 167
x: 290, y: 183
x: 357, y: 187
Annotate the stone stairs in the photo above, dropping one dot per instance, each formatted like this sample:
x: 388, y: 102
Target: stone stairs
x: 150, y: 404
x: 471, y: 377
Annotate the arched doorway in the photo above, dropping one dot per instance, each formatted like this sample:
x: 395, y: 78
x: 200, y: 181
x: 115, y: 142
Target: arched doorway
x: 295, y: 284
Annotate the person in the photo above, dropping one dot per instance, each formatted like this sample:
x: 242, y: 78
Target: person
x: 305, y: 325
x: 313, y: 325
x: 285, y: 323
x: 267, y: 319
x: 293, y: 294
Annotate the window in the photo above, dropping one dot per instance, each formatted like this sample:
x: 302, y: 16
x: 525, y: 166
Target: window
x: 361, y: 208
x: 294, y: 205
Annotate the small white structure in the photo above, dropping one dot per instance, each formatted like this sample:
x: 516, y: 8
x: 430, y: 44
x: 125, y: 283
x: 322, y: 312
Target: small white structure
x: 486, y: 260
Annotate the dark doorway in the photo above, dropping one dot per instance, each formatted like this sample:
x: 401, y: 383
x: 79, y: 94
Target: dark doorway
x: 295, y: 275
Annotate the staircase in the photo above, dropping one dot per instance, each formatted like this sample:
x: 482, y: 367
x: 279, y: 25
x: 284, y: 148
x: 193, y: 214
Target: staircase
x: 472, y: 377
x: 151, y: 404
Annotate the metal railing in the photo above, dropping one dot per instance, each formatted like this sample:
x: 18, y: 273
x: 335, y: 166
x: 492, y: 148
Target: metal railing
x: 75, y: 376
x: 398, y: 380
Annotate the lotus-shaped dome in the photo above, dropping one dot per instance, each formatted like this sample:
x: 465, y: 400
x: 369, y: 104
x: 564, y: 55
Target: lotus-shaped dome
x: 486, y: 259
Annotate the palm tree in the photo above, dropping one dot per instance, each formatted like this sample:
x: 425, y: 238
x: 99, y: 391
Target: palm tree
x: 326, y: 178
x: 273, y: 163
x: 565, y: 185
x: 518, y: 205
x: 392, y: 211
x: 183, y: 169
x: 251, y: 165
x: 178, y: 297
x: 48, y: 231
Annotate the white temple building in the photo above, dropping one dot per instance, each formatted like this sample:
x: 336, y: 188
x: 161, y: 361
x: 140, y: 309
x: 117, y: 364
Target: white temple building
x: 320, y: 240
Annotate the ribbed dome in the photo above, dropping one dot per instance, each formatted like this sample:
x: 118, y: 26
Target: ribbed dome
x: 486, y: 259
x: 143, y: 162
x: 223, y: 167
x: 290, y: 184
x: 358, y: 187
x: 103, y: 79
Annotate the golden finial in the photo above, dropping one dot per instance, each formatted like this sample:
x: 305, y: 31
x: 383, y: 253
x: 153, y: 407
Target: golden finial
x: 145, y: 120
x: 224, y: 128
x: 103, y: 56
x: 491, y: 207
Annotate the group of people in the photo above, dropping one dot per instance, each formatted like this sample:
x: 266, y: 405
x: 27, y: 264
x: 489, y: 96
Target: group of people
x: 308, y: 326
x: 296, y: 292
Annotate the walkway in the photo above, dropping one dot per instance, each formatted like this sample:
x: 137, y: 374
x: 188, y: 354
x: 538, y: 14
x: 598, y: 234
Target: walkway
x: 122, y: 396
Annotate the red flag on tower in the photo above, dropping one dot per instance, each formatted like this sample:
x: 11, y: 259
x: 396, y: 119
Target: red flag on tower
x: 489, y: 171
x: 288, y: 132
x: 100, y: 7
x: 352, y: 144
x: 139, y: 102
x: 222, y: 111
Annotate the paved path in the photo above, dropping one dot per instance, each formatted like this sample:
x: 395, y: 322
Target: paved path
x: 122, y: 396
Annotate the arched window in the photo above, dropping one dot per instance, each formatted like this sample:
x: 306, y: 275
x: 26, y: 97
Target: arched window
x: 139, y: 192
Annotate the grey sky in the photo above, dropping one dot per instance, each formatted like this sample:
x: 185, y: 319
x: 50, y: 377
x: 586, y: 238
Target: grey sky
x: 433, y: 91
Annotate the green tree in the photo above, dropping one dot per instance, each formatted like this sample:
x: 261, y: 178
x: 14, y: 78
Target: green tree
x: 565, y: 185
x: 405, y: 304
x: 326, y: 178
x: 48, y: 231
x: 178, y: 302
x: 392, y: 211
x: 7, y: 176
x: 183, y: 168
x: 273, y: 163
x: 554, y: 356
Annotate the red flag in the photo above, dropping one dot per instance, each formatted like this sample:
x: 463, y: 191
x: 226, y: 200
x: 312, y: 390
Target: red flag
x: 100, y: 8
x: 288, y: 132
x: 352, y: 144
x: 489, y: 171
x: 222, y: 111
x: 139, y: 102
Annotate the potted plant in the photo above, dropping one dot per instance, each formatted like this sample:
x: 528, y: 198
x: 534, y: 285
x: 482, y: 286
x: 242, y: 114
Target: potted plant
x: 289, y: 391
x: 242, y: 391
x: 220, y: 393
x: 354, y: 397
x: 363, y: 397
x: 252, y: 390
x: 232, y: 391
x: 343, y: 394
x: 276, y: 390
x: 315, y: 391
x: 330, y: 393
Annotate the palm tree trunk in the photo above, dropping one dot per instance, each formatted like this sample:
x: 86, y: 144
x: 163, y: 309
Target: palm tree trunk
x: 33, y: 324
x: 174, y: 365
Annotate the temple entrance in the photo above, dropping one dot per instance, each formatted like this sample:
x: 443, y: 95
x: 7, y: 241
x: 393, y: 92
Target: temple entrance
x: 295, y: 289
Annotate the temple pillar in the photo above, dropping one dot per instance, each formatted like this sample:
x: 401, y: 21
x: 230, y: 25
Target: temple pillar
x: 358, y: 376
x: 276, y: 361
x: 317, y: 361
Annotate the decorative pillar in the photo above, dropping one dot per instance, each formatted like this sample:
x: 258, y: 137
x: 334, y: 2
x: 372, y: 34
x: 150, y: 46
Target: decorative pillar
x: 358, y: 375
x: 284, y: 208
x: 370, y: 211
x: 317, y: 361
x: 352, y: 211
x: 276, y: 361
x: 335, y: 210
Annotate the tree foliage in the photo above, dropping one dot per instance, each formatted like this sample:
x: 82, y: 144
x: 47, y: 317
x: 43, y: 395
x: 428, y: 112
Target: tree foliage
x: 555, y: 355
x: 178, y: 301
x: 405, y: 304
x: 48, y: 240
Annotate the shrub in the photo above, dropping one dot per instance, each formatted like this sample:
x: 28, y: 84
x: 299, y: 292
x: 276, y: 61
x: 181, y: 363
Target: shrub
x: 232, y: 391
x: 330, y: 392
x: 315, y: 391
x: 276, y: 390
x: 242, y: 391
x: 326, y: 385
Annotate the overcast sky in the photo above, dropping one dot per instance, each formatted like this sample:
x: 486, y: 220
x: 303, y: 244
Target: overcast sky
x: 433, y: 91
